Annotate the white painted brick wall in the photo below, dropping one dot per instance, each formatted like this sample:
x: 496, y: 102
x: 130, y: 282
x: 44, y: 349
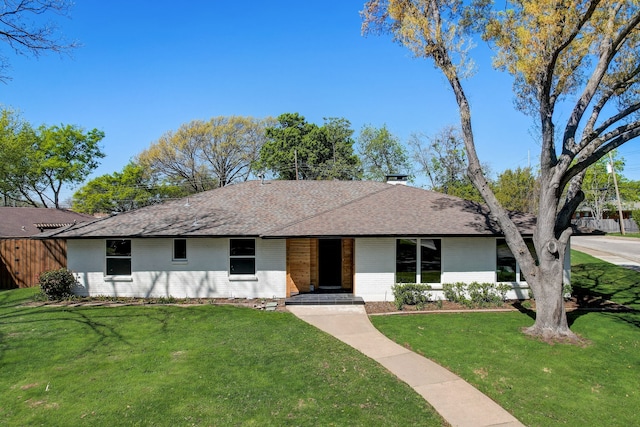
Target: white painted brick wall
x: 375, y: 265
x: 154, y: 274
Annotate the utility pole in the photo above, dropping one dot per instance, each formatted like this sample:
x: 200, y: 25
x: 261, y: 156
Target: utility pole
x: 615, y: 183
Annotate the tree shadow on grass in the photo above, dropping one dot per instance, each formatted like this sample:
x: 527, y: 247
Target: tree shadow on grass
x: 601, y: 287
x: 608, y: 282
x: 99, y: 325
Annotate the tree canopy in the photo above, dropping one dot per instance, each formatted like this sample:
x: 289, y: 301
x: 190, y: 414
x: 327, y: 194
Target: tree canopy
x: 38, y: 163
x: 381, y: 153
x: 296, y: 149
x: 580, y: 56
x: 202, y: 155
x: 132, y: 188
x: 517, y: 190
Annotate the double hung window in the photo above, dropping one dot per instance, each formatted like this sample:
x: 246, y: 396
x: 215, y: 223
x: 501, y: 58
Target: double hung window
x: 118, y: 254
x: 242, y: 257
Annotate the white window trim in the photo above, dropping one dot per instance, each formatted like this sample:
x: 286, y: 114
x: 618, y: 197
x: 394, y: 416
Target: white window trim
x: 118, y: 279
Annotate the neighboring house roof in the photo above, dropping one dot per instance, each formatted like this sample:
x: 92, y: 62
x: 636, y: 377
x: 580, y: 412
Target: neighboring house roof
x: 280, y: 209
x: 26, y: 222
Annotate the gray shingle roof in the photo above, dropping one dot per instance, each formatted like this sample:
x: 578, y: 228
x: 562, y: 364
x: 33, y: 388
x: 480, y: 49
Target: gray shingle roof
x: 24, y: 222
x: 301, y: 208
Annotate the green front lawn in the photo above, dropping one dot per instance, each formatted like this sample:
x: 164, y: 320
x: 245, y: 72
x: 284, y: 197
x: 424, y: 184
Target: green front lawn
x: 539, y: 383
x: 207, y: 365
x: 630, y: 235
x: 591, y: 276
x: 187, y: 366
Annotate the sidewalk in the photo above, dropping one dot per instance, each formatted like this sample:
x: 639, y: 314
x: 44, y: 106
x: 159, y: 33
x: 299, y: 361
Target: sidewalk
x: 454, y: 399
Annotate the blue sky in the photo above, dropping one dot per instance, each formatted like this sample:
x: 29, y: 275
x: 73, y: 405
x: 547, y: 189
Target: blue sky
x: 147, y: 67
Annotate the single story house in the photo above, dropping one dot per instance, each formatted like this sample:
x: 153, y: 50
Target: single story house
x: 22, y: 259
x: 280, y: 238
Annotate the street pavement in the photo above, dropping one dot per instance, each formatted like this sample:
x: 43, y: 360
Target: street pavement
x: 621, y: 251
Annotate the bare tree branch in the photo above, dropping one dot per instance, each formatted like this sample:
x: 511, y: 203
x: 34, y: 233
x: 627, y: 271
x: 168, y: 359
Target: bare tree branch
x: 23, y: 28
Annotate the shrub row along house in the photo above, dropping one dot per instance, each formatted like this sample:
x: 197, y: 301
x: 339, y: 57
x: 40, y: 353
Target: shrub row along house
x: 280, y: 238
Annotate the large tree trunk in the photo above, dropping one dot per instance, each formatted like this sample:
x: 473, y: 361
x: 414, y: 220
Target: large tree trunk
x: 547, y: 282
x: 546, y: 276
x: 551, y: 317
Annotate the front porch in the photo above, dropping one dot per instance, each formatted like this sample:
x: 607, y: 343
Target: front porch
x: 319, y: 265
x: 322, y: 298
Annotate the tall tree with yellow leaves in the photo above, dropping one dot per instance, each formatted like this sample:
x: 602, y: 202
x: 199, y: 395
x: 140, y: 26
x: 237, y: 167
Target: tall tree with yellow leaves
x: 556, y: 50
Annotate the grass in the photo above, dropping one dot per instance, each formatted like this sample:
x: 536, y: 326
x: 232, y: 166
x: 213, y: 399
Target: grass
x: 542, y: 384
x: 631, y: 235
x: 207, y: 365
x: 591, y: 276
x: 198, y: 365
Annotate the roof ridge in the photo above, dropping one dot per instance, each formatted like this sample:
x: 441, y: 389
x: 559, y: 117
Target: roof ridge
x: 298, y: 221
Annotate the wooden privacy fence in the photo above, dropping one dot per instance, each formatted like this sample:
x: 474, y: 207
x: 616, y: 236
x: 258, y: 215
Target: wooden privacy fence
x: 22, y: 260
x: 607, y: 225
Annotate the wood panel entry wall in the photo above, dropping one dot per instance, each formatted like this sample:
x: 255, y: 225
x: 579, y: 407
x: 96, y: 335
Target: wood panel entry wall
x: 302, y: 265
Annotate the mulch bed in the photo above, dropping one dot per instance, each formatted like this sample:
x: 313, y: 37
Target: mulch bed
x: 592, y: 303
x: 257, y: 303
x: 374, y: 308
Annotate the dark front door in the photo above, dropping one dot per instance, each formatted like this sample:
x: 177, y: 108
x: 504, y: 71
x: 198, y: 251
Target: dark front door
x: 330, y: 263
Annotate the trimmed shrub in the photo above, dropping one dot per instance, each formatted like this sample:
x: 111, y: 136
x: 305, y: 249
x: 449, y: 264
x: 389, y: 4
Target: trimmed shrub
x: 483, y: 294
x: 455, y: 292
x: 476, y: 294
x: 57, y: 284
x: 411, y: 294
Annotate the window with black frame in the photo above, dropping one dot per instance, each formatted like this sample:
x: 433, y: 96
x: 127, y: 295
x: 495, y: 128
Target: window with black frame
x: 242, y: 257
x: 118, y: 257
x: 507, y: 269
x: 180, y: 249
x: 406, y: 260
x: 428, y: 258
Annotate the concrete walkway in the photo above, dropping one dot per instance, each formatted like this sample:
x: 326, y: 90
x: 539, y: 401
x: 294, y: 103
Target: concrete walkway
x: 456, y: 401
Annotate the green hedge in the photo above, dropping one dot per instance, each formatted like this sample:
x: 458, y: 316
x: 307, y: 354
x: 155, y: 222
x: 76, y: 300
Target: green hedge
x: 411, y: 294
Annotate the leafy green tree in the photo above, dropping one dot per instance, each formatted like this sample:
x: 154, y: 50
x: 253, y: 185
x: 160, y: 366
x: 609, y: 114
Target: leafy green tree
x: 132, y: 188
x: 442, y: 159
x: 38, y: 163
x: 381, y: 153
x: 583, y: 55
x: 517, y: 190
x: 295, y: 146
x: 335, y: 158
x: 65, y: 155
x: 16, y: 136
x: 26, y: 33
